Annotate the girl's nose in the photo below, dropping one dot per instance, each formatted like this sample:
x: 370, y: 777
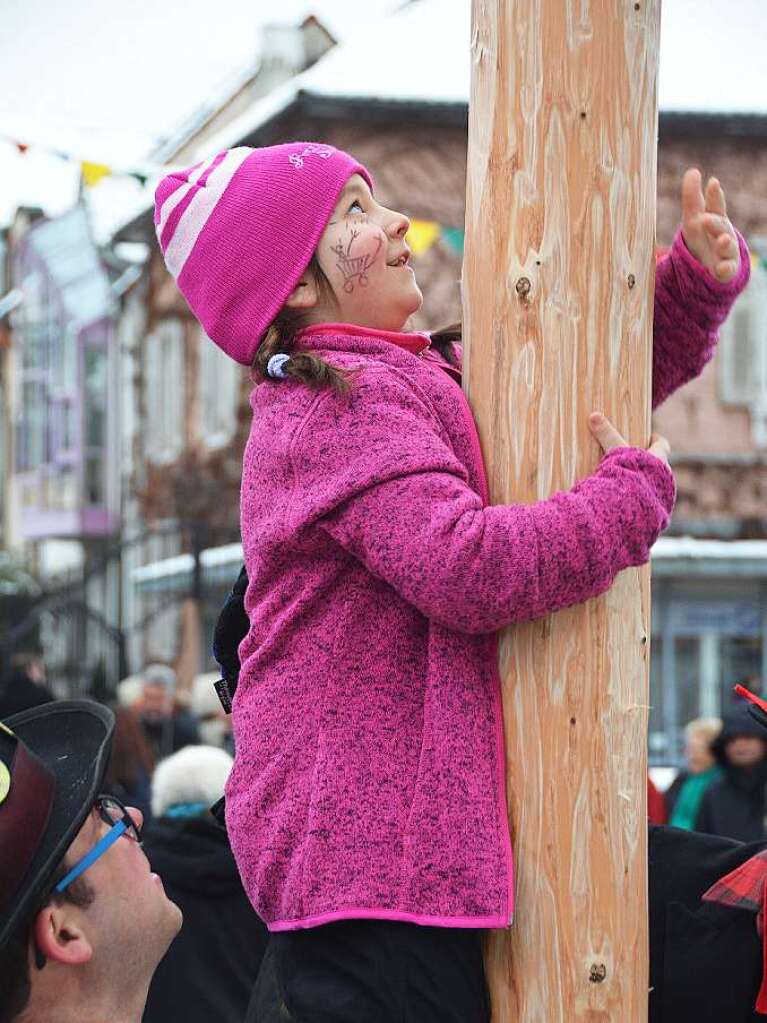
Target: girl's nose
x: 398, y: 226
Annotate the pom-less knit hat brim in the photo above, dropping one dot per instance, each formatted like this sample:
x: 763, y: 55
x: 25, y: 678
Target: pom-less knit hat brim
x: 69, y: 741
x: 239, y: 230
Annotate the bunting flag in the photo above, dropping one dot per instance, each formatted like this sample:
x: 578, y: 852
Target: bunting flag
x: 92, y: 173
x: 454, y: 237
x: 423, y: 234
x: 421, y: 237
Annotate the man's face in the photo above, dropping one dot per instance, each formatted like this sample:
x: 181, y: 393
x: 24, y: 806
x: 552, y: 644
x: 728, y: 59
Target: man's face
x: 131, y: 921
x: 156, y: 703
x: 745, y: 750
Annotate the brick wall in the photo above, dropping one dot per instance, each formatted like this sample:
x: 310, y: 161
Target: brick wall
x: 420, y: 169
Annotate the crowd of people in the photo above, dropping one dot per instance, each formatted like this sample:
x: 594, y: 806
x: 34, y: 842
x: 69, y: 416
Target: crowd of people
x: 365, y: 805
x: 142, y: 761
x: 163, y: 782
x: 722, y: 788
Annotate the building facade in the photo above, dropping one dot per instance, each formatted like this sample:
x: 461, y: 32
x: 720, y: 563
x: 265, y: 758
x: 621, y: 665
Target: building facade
x: 184, y: 413
x: 710, y: 588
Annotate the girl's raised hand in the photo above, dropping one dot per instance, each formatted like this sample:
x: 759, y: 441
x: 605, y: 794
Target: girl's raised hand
x: 706, y: 228
x: 608, y: 438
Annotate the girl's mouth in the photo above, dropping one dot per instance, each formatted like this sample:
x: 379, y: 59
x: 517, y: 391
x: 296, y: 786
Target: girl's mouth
x: 401, y: 260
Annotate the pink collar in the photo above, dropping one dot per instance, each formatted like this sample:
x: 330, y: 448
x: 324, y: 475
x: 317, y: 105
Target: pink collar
x: 416, y: 343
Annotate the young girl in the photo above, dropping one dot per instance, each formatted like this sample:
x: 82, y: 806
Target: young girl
x: 366, y: 808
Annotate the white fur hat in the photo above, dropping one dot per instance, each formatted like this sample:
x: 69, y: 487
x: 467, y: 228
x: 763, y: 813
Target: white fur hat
x: 196, y: 774
x: 159, y: 675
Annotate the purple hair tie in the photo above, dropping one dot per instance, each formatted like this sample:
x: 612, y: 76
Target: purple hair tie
x: 274, y: 366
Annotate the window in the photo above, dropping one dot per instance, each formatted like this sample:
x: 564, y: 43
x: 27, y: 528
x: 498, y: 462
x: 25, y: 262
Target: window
x: 164, y: 369
x: 743, y: 354
x: 32, y: 330
x: 95, y: 368
x: 218, y: 391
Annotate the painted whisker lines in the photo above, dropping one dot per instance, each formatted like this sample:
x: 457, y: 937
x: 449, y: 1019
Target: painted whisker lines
x: 355, y: 267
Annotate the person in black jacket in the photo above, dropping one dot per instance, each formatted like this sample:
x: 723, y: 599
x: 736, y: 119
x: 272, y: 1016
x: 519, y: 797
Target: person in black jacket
x: 706, y: 958
x: 209, y: 972
x: 23, y: 685
x: 734, y: 805
x: 168, y: 725
x: 684, y: 795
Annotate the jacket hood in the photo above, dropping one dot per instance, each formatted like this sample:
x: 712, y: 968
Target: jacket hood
x: 192, y: 854
x: 738, y: 723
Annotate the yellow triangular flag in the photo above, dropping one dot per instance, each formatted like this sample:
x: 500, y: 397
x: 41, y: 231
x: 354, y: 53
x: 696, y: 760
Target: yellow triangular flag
x: 93, y: 172
x: 422, y: 235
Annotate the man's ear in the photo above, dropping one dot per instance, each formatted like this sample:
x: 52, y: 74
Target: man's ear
x: 305, y: 295
x: 60, y: 936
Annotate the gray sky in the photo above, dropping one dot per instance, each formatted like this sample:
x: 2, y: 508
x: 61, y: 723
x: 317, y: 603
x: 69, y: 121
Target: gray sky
x: 106, y: 80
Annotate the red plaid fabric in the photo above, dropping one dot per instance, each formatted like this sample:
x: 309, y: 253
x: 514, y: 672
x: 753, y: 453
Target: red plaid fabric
x: 746, y: 888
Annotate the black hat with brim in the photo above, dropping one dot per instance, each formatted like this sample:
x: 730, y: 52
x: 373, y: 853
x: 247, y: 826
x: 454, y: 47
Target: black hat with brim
x: 757, y: 707
x: 52, y: 760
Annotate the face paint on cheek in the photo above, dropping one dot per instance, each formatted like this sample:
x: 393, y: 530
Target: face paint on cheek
x: 354, y: 258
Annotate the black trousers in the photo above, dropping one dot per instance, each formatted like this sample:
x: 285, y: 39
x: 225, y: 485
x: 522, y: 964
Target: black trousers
x: 372, y: 971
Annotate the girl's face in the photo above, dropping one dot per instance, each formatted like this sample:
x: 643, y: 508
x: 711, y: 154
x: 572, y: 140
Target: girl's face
x: 363, y: 254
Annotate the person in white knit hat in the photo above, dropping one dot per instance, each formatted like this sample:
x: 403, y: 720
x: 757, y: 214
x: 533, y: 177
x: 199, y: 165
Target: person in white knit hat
x: 210, y: 971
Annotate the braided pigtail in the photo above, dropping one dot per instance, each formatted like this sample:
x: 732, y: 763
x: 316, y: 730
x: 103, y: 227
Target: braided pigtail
x: 444, y: 339
x: 276, y: 358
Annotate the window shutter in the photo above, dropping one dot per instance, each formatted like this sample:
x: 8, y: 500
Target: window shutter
x: 743, y: 346
x: 165, y: 392
x: 218, y: 392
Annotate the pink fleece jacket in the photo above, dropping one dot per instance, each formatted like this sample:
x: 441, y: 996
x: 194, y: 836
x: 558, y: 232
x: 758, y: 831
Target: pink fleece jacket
x: 369, y: 774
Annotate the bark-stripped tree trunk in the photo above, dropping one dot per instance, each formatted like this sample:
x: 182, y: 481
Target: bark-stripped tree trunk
x: 558, y: 283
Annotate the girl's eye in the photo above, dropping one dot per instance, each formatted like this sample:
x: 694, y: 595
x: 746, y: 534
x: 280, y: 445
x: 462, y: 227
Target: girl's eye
x: 356, y: 207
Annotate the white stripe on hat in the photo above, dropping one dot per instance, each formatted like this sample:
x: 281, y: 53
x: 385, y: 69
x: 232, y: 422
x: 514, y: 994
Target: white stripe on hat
x: 196, y: 214
x: 175, y: 197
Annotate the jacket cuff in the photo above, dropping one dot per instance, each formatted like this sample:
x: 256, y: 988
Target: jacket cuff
x: 655, y: 471
x: 696, y: 279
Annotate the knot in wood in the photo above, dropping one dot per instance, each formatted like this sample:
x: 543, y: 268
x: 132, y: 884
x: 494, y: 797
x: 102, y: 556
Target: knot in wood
x: 631, y: 280
x: 597, y: 973
x: 523, y: 287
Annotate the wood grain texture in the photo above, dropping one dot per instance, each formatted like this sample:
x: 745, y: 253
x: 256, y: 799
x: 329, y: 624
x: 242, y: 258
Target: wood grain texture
x: 558, y: 281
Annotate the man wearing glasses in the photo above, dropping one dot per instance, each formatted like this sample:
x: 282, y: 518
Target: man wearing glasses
x: 83, y: 920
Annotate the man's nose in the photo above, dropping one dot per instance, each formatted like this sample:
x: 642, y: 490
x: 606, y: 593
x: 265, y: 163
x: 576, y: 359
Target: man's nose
x: 136, y: 816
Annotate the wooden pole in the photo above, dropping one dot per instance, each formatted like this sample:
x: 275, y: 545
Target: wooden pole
x: 558, y: 283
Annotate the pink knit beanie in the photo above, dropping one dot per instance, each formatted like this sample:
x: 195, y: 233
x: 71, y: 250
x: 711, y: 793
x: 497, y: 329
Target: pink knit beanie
x: 238, y: 231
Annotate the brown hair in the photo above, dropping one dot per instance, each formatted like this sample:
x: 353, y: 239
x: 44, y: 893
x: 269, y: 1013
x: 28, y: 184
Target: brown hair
x: 444, y: 339
x: 312, y: 370
x: 131, y: 752
x: 15, y: 982
x: 280, y: 338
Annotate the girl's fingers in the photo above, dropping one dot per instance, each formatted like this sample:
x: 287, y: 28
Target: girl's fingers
x: 692, y: 194
x: 715, y: 200
x: 715, y: 224
x: 726, y: 246
x: 605, y: 433
x: 659, y: 447
x: 726, y: 269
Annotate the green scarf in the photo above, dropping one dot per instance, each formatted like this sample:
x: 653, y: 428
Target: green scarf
x: 688, y: 802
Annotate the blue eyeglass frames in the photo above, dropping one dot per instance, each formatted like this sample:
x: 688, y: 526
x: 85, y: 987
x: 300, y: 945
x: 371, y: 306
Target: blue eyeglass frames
x: 112, y: 812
